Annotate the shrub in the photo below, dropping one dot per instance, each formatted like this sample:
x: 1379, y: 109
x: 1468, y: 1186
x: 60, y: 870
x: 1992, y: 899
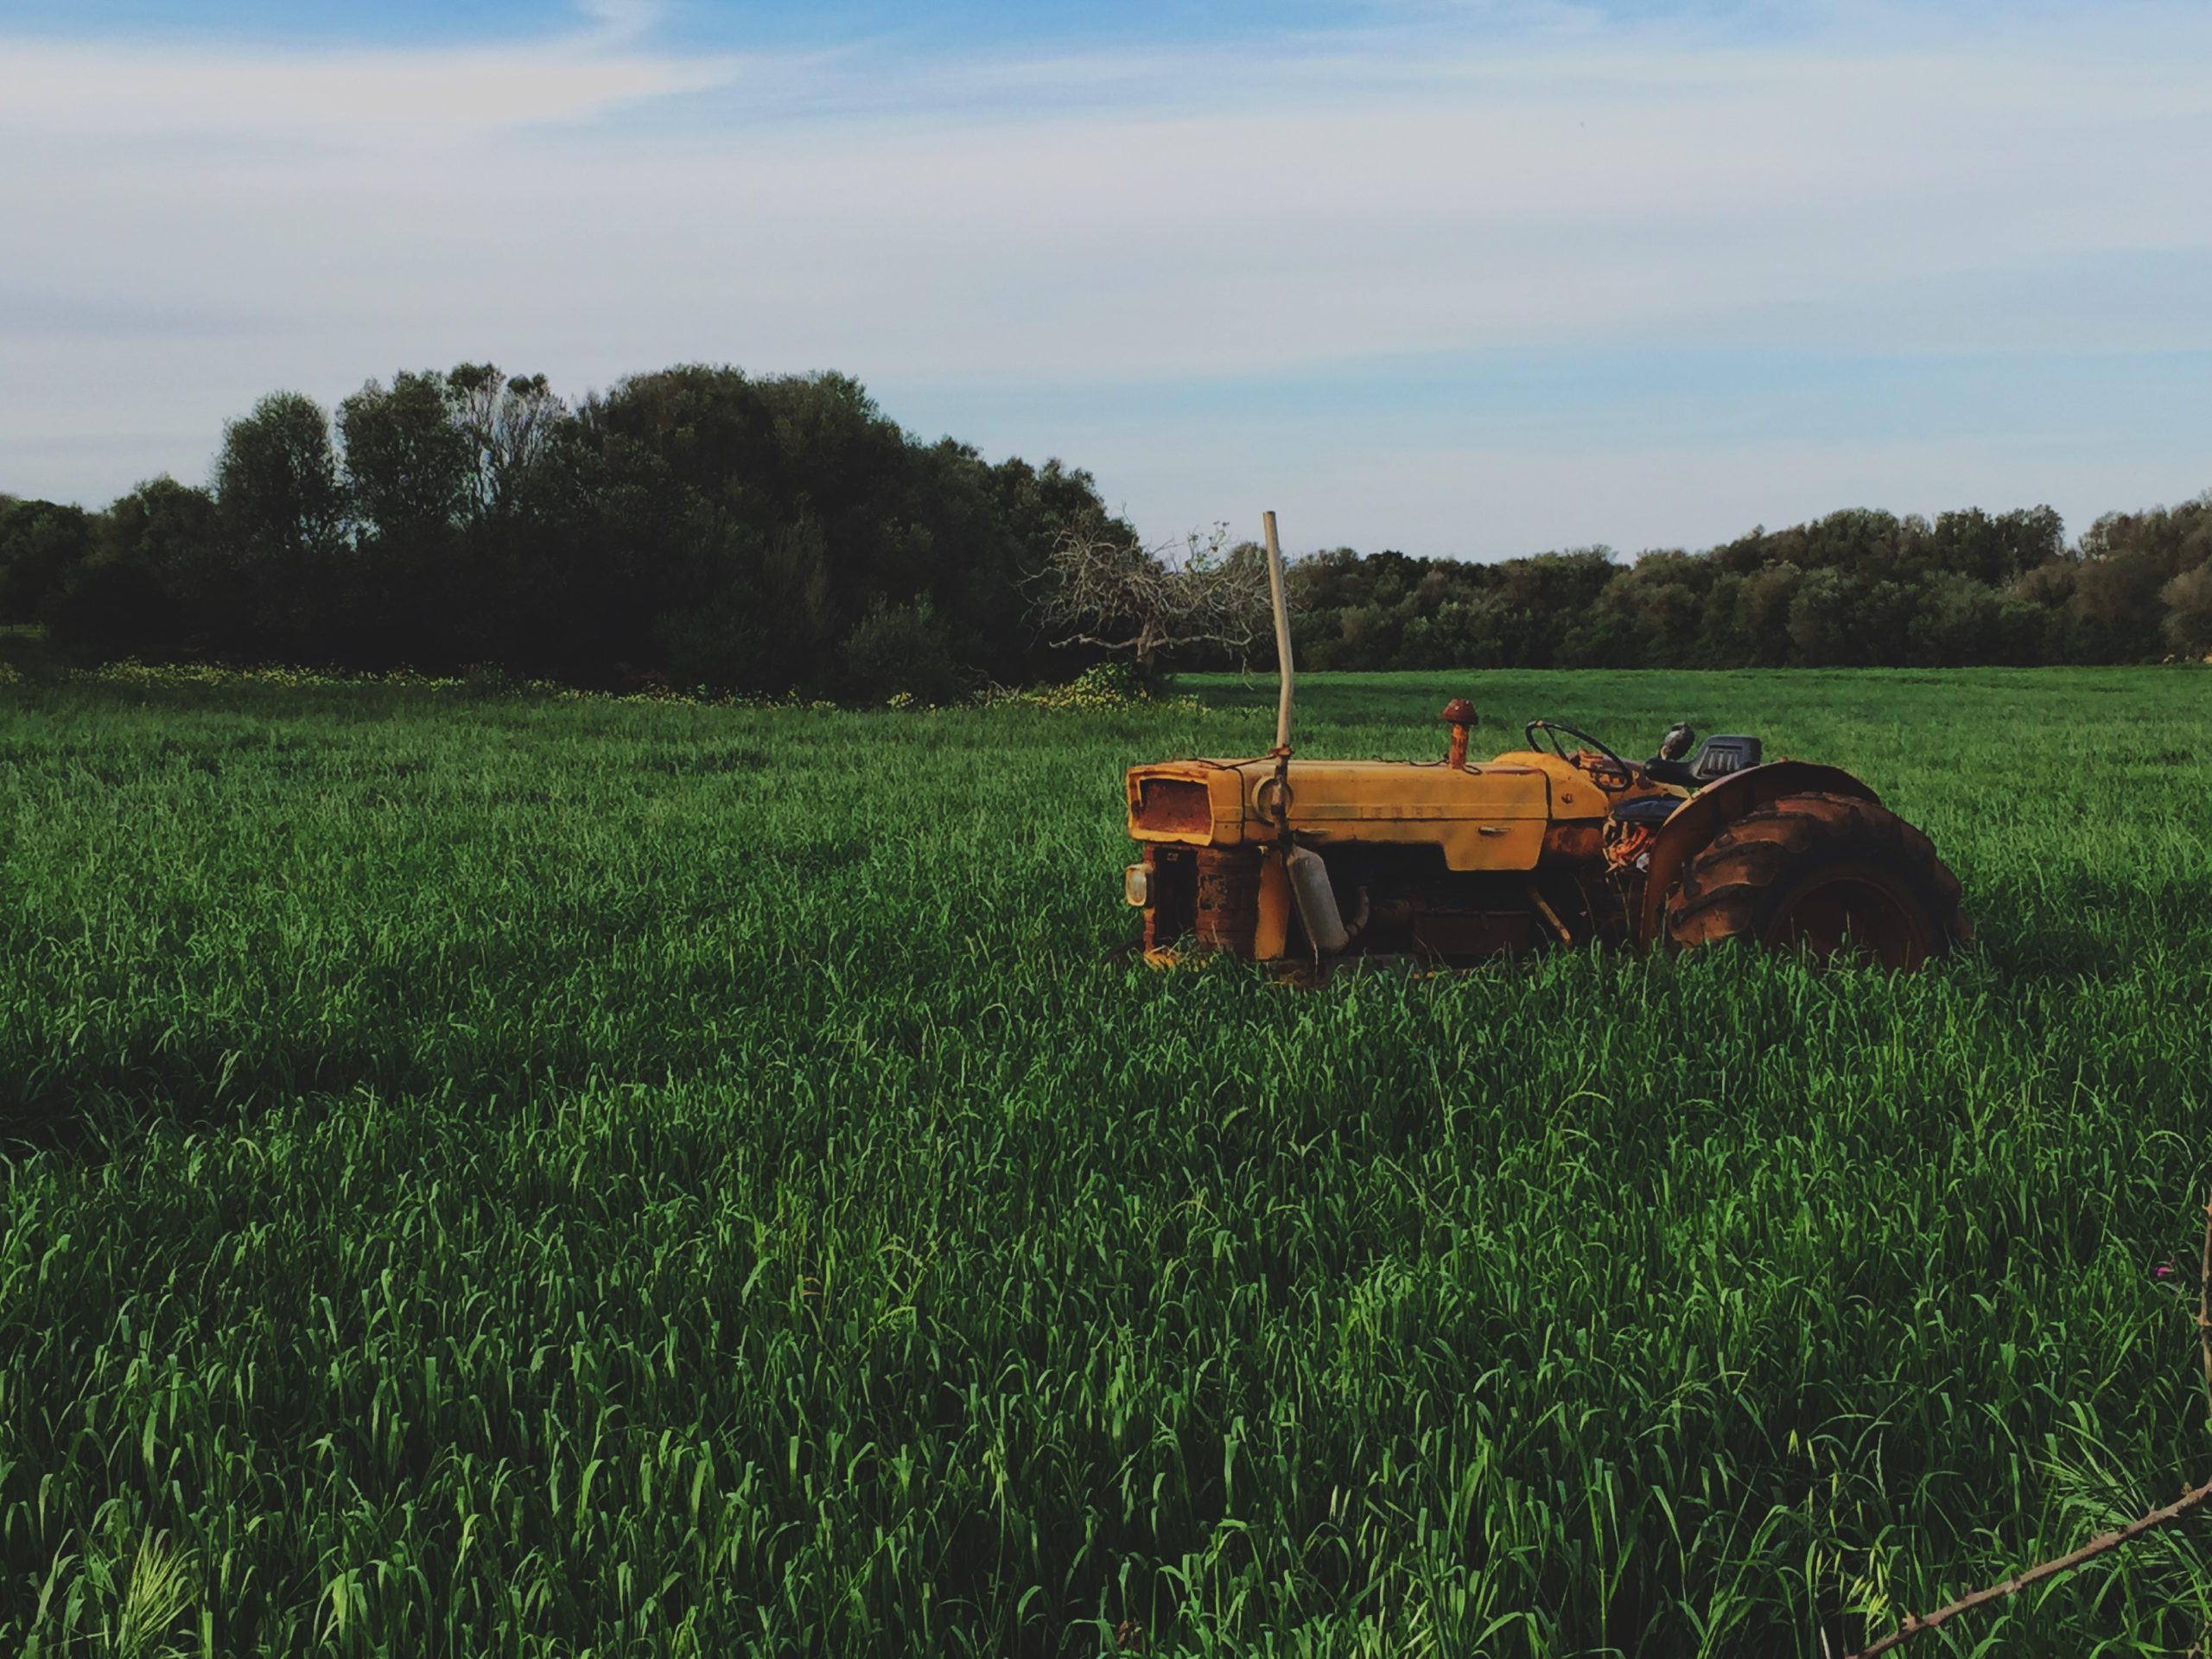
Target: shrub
x: 902, y: 649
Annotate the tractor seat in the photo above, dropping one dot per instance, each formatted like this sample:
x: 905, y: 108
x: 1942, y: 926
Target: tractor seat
x: 1718, y: 757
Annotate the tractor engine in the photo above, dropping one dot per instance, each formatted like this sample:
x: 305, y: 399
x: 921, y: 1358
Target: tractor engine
x: 1393, y: 901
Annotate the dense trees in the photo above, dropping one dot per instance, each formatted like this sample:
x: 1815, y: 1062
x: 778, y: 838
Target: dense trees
x: 700, y: 526
x: 1855, y: 589
x: 696, y: 526
x: 41, y: 542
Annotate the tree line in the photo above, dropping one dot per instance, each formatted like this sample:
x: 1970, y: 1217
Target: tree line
x: 1856, y: 589
x: 698, y: 526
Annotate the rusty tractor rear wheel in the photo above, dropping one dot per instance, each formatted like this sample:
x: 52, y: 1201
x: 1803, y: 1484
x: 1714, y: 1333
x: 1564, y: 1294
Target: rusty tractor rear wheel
x: 1829, y: 876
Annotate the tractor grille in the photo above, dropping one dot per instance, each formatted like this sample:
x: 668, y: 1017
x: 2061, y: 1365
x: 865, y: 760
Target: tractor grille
x: 1228, y: 899
x: 1210, y: 895
x: 1173, y: 805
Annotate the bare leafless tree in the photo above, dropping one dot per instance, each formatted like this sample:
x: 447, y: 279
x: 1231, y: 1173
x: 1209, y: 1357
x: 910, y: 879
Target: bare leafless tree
x: 508, y: 422
x: 1116, y: 594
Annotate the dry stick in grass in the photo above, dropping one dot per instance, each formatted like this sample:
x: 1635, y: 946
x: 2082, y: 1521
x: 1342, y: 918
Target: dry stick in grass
x: 2204, y: 1311
x: 2196, y: 1498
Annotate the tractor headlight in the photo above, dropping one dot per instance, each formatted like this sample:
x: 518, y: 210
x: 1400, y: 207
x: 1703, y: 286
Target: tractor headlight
x: 1136, y: 886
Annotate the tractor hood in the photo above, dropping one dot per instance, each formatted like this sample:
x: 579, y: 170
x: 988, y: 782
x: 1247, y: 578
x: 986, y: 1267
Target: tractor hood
x: 1488, y: 816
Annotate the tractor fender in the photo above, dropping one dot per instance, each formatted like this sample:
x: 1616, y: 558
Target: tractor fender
x: 1702, y: 817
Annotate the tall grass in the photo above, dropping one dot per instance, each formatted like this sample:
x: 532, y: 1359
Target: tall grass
x: 502, y: 1176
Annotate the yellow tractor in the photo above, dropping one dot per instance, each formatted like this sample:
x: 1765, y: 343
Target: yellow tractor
x: 1563, y: 841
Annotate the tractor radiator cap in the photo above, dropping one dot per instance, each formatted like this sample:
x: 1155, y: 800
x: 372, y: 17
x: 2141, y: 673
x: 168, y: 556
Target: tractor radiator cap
x: 1458, y: 714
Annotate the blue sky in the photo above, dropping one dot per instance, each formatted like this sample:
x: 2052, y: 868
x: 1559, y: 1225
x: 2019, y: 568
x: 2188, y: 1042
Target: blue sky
x: 1462, y: 276
x: 992, y: 25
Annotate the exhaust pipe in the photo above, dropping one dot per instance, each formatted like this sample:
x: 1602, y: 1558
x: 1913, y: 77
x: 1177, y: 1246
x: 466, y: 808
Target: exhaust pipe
x: 1283, y: 671
x: 1309, y: 875
x: 1316, y: 902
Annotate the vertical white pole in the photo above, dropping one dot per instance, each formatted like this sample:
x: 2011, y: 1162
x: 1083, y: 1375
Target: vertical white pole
x: 1282, y: 634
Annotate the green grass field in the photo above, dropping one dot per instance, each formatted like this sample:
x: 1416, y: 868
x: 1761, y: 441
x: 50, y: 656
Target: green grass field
x: 494, y: 1175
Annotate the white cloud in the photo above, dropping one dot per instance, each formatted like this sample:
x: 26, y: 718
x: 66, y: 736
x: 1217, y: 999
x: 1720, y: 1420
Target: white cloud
x: 393, y: 99
x: 621, y: 20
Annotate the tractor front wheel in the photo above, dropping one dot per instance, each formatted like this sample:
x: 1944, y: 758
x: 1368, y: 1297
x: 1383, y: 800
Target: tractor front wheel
x: 1827, y: 876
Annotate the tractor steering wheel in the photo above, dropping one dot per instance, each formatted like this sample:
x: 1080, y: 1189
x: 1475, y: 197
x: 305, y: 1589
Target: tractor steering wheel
x: 1623, y: 770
